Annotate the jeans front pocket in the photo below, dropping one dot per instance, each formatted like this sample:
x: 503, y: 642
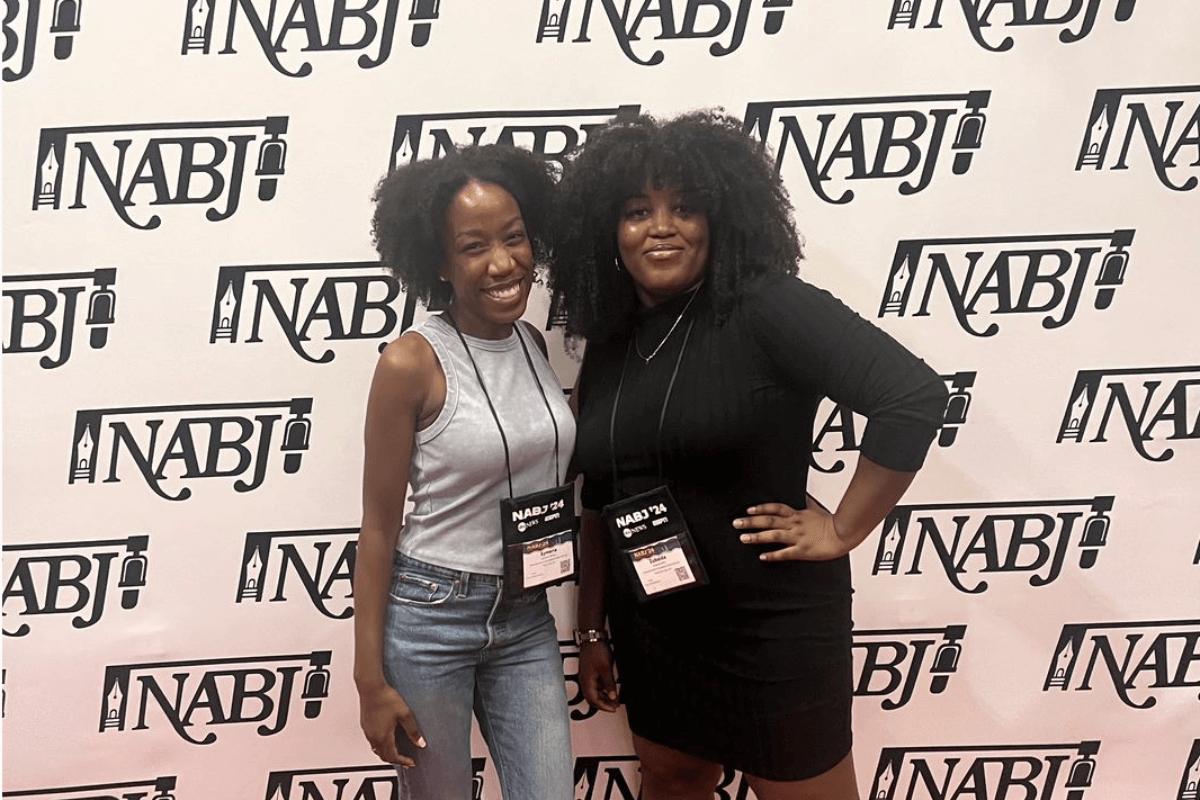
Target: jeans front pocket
x: 419, y: 590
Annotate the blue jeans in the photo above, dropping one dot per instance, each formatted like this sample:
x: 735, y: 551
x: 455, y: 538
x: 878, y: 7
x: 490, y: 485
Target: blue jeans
x: 453, y: 644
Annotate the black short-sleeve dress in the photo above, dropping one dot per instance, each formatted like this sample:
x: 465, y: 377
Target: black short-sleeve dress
x: 753, y: 670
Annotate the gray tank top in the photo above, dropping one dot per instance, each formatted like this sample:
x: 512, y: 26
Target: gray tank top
x: 457, y: 474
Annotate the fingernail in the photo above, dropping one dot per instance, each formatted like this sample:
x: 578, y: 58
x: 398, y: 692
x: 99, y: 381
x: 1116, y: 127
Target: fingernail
x: 745, y: 537
x: 762, y: 557
x: 738, y: 523
x: 752, y: 510
x: 421, y: 742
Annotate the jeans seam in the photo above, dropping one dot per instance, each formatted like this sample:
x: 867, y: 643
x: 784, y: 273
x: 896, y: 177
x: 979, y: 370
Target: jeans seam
x: 499, y: 757
x: 491, y: 631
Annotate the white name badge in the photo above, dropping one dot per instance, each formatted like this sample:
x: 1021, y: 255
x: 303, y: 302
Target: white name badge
x: 547, y: 560
x: 662, y: 566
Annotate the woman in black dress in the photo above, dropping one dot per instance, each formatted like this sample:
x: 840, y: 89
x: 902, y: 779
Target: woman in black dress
x: 705, y: 362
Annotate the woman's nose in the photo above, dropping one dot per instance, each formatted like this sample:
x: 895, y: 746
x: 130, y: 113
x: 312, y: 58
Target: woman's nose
x: 661, y: 222
x: 502, y: 260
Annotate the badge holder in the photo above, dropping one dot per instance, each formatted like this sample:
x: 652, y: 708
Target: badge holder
x: 540, y: 530
x: 654, y: 546
x: 647, y: 531
x: 540, y: 540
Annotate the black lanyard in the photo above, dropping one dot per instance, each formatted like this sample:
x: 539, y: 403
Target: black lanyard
x: 662, y: 414
x: 495, y: 416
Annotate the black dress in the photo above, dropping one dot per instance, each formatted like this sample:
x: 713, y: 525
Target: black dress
x: 752, y: 671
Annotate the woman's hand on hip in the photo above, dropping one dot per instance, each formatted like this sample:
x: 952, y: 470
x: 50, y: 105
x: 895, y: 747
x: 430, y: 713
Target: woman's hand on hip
x: 805, y: 535
x: 596, y: 676
x: 382, y: 714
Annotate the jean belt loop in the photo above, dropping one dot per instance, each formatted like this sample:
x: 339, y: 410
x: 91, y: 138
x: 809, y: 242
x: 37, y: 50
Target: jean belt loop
x: 463, y: 580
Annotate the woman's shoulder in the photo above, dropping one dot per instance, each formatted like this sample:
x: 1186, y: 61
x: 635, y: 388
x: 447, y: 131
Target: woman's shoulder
x: 782, y: 293
x: 411, y: 357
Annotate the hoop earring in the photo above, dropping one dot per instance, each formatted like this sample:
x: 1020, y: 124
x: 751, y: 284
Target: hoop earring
x: 618, y: 265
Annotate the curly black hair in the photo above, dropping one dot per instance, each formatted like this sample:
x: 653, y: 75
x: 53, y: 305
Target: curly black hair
x: 705, y: 153
x: 411, y: 204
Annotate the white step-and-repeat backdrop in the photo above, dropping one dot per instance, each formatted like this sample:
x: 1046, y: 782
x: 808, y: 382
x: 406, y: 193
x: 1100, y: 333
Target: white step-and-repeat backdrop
x: 192, y: 312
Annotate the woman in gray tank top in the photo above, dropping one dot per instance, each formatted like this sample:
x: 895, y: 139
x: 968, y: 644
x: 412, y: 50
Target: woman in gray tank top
x: 465, y: 411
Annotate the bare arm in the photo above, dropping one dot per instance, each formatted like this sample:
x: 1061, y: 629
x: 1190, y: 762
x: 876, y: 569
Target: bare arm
x: 595, y: 658
x: 399, y: 393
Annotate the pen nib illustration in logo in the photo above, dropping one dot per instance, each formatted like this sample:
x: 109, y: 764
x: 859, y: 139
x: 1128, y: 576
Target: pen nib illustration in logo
x: 1077, y: 414
x: 253, y: 571
x: 1158, y: 124
x: 113, y: 711
x: 49, y: 173
x: 197, y: 32
x: 1096, y: 141
x: 1189, y: 785
x: 897, y: 289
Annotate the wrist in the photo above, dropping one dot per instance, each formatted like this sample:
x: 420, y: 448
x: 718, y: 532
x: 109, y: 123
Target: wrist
x: 590, y: 636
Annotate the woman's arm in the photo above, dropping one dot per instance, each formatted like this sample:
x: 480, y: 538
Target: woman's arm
x: 398, y: 394
x: 815, y: 341
x: 813, y: 534
x: 595, y: 658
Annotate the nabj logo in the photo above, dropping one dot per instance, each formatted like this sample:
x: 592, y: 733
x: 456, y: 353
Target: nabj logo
x: 986, y: 280
x: 198, y: 697
x: 170, y: 446
x: 723, y: 22
x: 893, y: 140
x: 279, y: 565
x: 133, y: 166
x: 1074, y: 19
x: 305, y: 26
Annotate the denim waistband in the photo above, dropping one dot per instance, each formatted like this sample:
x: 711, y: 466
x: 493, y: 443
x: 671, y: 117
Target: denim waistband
x: 446, y: 572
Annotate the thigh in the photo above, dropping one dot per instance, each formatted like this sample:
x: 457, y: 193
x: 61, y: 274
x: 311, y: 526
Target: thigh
x: 671, y: 773
x: 432, y: 640
x: 521, y: 703
x: 838, y: 783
